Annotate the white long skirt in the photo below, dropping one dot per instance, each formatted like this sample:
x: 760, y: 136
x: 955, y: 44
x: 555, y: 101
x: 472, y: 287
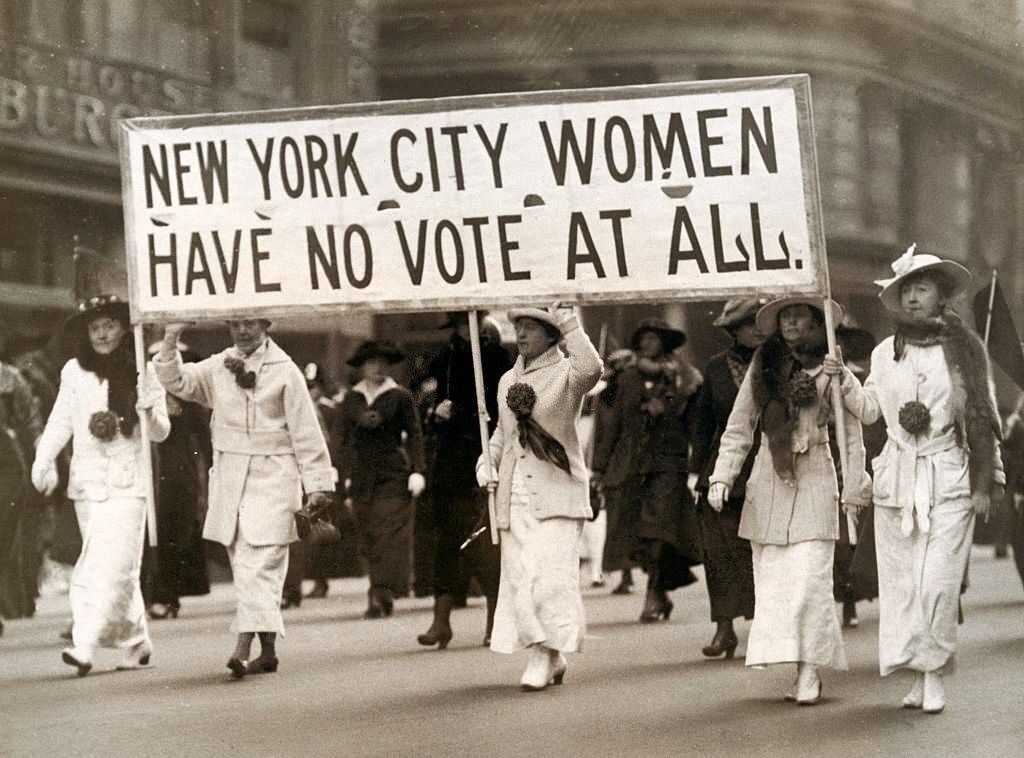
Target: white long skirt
x: 794, y: 613
x: 258, y: 572
x: 539, y: 597
x: 106, y: 601
x: 919, y: 581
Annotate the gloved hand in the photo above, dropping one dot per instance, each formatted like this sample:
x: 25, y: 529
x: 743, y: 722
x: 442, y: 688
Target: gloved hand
x: 563, y: 316
x: 318, y: 504
x: 718, y: 493
x: 416, y: 484
x: 444, y: 410
x: 481, y: 476
x: 44, y: 476
x: 148, y: 393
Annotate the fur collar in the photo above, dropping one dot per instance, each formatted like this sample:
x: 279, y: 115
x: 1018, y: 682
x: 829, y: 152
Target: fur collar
x: 976, y: 420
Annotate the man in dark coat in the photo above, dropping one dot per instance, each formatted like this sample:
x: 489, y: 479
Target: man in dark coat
x: 648, y: 431
x: 458, y: 504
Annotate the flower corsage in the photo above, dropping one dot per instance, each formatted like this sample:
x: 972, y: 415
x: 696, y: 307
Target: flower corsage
x: 915, y: 417
x: 244, y: 379
x: 103, y: 425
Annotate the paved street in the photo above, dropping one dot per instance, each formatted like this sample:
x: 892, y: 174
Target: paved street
x: 349, y: 687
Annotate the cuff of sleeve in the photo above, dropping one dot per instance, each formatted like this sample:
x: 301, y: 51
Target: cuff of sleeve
x: 321, y: 480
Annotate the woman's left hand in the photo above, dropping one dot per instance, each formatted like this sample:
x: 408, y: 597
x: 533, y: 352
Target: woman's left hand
x: 416, y: 484
x: 563, y: 315
x: 981, y: 502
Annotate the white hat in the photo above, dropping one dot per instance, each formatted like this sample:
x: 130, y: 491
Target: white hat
x: 767, y: 318
x: 909, y: 263
x: 537, y: 314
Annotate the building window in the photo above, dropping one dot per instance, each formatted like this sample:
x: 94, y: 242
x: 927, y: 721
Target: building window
x: 51, y: 22
x: 267, y: 48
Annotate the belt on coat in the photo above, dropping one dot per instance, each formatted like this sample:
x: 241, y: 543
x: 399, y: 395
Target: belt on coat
x: 229, y: 439
x: 915, y: 465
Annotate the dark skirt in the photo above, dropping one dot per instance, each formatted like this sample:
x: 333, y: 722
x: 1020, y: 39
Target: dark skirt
x: 728, y: 565
x: 663, y: 524
x: 456, y: 516
x: 385, y: 526
x: 20, y: 552
x: 618, y: 541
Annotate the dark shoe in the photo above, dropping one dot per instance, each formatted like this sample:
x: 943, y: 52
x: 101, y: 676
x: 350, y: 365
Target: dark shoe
x: 487, y: 640
x: 319, y: 589
x: 387, y: 602
x: 291, y: 600
x: 159, y: 611
x: 656, y: 606
x: 239, y: 668
x: 136, y: 657
x: 262, y: 665
x: 379, y: 603
x: 73, y: 657
x: 724, y: 641
x: 440, y: 637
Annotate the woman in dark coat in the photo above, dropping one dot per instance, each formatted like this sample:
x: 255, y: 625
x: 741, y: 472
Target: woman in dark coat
x: 727, y: 557
x: 382, y: 477
x: 648, y: 431
x: 458, y: 503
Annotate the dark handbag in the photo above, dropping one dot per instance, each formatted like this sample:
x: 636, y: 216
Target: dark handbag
x: 314, y: 525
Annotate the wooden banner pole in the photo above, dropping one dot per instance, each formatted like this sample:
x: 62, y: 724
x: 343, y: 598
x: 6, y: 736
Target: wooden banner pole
x: 481, y: 411
x: 147, y: 454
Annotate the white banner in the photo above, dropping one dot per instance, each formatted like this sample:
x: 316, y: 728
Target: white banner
x: 688, y: 191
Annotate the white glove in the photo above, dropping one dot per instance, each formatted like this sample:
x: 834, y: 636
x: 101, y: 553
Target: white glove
x: 564, y: 316
x: 481, y: 476
x: 416, y: 484
x: 691, y: 484
x: 44, y: 476
x: 444, y: 410
x: 718, y: 493
x: 148, y: 393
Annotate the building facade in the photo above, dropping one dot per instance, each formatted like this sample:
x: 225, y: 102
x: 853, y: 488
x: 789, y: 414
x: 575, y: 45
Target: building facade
x: 918, y: 105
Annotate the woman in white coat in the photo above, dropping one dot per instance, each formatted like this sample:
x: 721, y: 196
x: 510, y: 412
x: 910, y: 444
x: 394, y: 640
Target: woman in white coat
x: 791, y: 513
x: 97, y: 410
x: 543, y: 492
x: 267, y: 450
x: 940, y: 466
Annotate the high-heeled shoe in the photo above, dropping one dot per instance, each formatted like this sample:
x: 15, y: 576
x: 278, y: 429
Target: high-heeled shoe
x: 158, y: 611
x: 136, y: 657
x: 440, y: 637
x: 723, y: 642
x: 238, y: 666
x: 808, y: 685
x: 262, y: 665
x: 558, y: 667
x: 915, y: 698
x: 77, y: 658
x: 657, y: 606
x: 538, y: 673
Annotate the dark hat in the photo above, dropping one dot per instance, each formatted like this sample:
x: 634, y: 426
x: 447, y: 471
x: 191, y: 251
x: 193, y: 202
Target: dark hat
x: 738, y: 310
x: 375, y: 349
x: 100, y: 289
x: 670, y: 338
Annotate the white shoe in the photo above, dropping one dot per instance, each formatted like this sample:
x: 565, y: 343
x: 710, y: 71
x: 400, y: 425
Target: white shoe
x: 538, y: 673
x: 934, y: 700
x: 137, y: 656
x: 915, y: 698
x: 808, y: 685
x: 81, y: 659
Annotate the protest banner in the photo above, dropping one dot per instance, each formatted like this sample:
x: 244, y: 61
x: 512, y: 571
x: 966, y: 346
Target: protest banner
x: 683, y: 191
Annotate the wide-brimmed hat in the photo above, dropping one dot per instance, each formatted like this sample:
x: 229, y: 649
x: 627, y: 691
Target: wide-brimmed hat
x: 912, y: 262
x: 738, y: 310
x: 375, y: 349
x: 537, y: 314
x: 767, y: 318
x: 670, y: 338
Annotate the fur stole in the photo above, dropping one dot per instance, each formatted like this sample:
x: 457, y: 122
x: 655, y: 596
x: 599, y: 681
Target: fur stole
x: 976, y: 421
x: 773, y: 366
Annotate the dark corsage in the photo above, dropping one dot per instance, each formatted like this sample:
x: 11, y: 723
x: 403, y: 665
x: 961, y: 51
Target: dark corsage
x: 801, y: 391
x: 915, y: 417
x: 244, y: 379
x: 521, y: 398
x: 103, y: 425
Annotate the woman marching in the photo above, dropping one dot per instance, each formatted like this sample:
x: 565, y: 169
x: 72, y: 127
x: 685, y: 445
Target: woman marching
x: 384, y: 476
x: 98, y: 406
x: 543, y: 494
x: 267, y: 451
x: 790, y: 515
x: 727, y: 561
x: 940, y: 466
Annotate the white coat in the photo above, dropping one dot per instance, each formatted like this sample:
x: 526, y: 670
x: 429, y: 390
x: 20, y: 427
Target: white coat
x: 267, y: 443
x: 99, y: 470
